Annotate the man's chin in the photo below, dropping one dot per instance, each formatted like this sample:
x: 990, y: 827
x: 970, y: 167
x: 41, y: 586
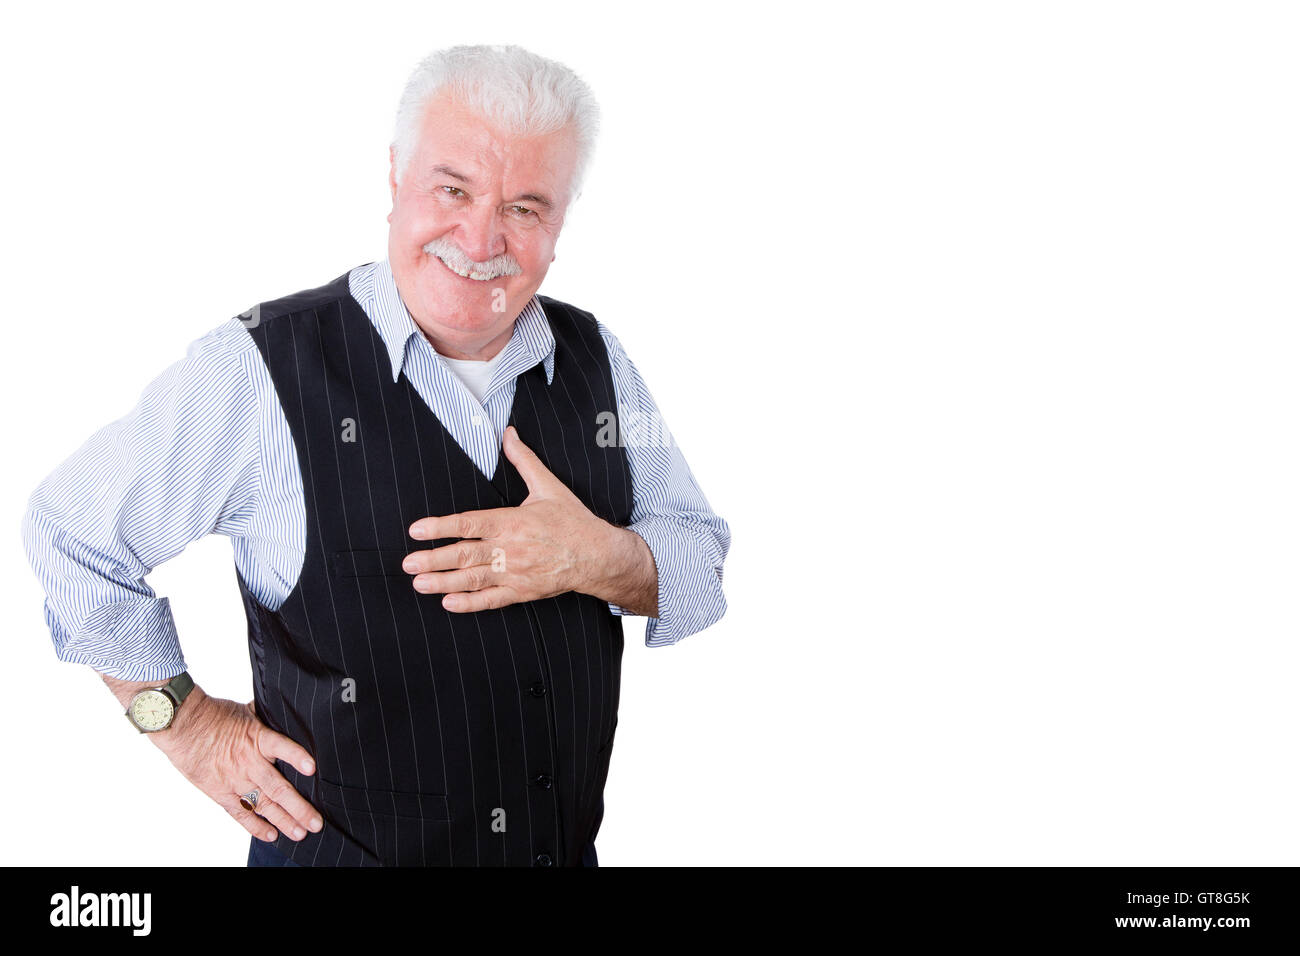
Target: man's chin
x: 464, y: 312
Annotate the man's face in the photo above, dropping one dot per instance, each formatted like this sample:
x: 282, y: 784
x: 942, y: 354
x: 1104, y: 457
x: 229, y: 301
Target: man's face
x: 477, y: 200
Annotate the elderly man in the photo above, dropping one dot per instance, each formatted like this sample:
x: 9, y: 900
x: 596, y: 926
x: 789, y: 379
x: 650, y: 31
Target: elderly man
x: 442, y: 488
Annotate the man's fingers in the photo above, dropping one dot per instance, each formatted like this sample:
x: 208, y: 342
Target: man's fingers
x: 275, y: 814
x: 445, y: 582
x: 273, y: 746
x: 535, y: 474
x: 280, y: 795
x: 249, y: 821
x: 483, y: 600
x: 467, y: 524
x: 462, y: 554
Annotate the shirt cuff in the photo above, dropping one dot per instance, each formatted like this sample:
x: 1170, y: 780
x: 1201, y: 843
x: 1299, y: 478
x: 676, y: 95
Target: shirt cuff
x: 690, y: 580
x: 129, y: 640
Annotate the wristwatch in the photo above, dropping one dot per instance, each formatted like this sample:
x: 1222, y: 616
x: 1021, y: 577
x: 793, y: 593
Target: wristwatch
x: 154, y: 708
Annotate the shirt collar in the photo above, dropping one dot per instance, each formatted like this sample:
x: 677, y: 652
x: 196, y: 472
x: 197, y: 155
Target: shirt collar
x: 375, y: 290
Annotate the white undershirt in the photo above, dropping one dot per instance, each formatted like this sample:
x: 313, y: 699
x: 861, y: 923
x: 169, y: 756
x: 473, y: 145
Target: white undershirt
x: 476, y: 375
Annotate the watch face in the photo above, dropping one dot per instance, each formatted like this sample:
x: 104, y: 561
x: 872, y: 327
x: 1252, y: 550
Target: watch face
x: 152, y: 710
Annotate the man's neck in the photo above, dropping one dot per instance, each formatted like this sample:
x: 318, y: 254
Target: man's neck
x: 468, y: 349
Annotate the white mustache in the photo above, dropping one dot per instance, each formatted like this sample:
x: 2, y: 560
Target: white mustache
x: 450, y: 253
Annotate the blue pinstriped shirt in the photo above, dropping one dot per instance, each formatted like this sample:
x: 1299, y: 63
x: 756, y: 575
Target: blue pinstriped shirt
x: 208, y: 450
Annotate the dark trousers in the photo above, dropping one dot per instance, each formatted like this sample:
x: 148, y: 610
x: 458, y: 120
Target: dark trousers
x: 265, y: 854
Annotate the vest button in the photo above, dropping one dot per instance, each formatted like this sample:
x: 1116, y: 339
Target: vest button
x: 543, y: 859
x: 543, y: 781
x: 538, y: 689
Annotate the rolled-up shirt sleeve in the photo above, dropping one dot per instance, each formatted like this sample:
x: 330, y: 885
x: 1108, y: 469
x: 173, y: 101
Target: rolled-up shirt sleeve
x: 178, y: 466
x: 688, y: 541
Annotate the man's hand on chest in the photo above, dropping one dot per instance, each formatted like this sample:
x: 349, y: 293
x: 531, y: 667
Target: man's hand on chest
x: 549, y: 545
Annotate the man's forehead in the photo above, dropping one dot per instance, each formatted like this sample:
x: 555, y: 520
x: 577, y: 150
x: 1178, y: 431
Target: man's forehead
x: 465, y: 147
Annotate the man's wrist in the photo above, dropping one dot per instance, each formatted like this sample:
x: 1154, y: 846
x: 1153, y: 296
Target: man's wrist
x: 187, y: 714
x: 623, y: 571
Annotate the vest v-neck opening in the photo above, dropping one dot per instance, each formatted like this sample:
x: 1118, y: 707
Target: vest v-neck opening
x: 355, y: 313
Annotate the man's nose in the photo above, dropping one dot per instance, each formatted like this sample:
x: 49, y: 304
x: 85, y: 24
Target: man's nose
x: 479, y: 234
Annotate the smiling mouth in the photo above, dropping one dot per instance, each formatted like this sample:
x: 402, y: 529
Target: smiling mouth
x: 476, y: 276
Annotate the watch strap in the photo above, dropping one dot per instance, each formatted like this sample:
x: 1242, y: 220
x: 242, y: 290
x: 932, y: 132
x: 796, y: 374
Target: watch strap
x: 180, y: 686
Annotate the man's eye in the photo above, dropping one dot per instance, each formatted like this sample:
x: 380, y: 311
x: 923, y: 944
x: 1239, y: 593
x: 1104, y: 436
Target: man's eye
x: 523, y: 210
x: 454, y: 190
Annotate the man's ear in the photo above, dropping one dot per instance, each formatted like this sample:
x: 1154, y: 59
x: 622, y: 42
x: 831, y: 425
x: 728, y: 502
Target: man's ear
x: 392, y: 175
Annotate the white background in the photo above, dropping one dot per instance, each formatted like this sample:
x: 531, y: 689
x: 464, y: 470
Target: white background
x: 977, y: 322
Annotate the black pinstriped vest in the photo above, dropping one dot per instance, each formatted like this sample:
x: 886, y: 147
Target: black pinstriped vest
x: 440, y: 739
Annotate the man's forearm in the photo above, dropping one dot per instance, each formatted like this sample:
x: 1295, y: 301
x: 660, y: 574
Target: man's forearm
x: 624, y: 573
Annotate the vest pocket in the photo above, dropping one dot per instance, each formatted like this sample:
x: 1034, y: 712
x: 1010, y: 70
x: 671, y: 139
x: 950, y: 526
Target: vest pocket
x: 391, y: 828
x: 368, y: 564
x: 384, y: 803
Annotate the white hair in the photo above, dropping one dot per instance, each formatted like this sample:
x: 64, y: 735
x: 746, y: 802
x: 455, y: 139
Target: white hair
x: 523, y: 93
